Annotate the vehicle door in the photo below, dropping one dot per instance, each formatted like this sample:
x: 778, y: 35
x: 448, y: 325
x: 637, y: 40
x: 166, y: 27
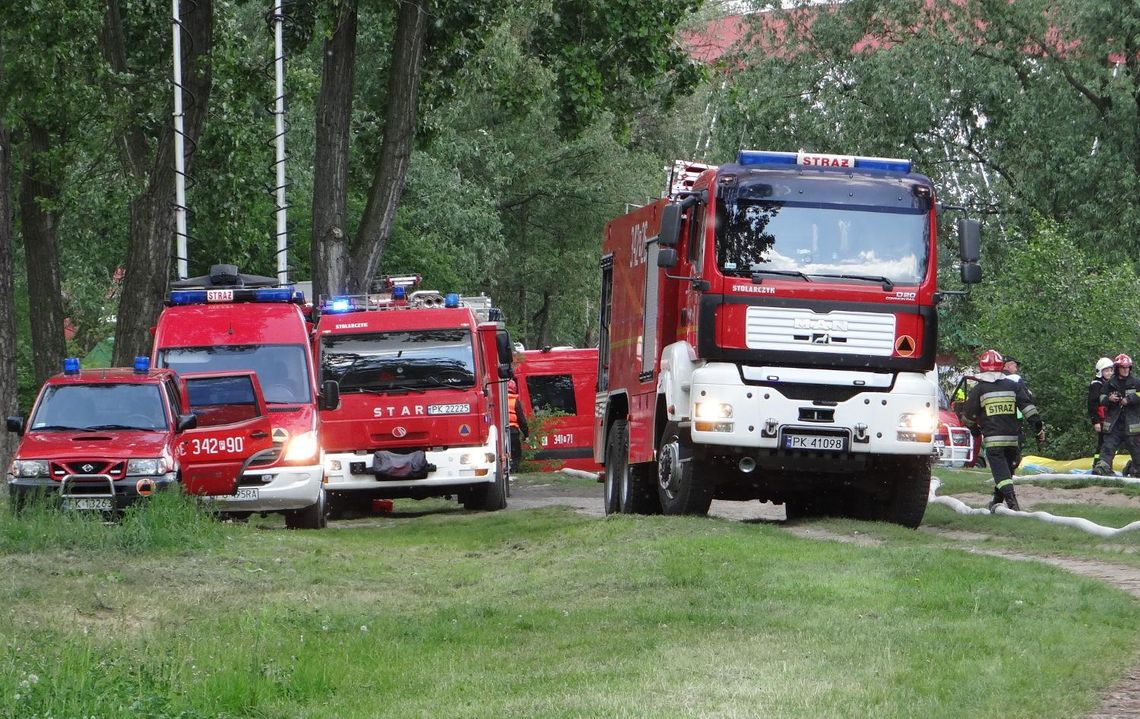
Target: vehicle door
x: 233, y: 429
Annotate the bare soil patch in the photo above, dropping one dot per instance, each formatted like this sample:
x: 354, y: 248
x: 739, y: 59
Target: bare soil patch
x: 1029, y: 495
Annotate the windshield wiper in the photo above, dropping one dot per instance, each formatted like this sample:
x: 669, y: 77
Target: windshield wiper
x: 385, y: 390
x: 59, y: 428
x: 757, y: 278
x: 884, y: 281
x: 121, y: 426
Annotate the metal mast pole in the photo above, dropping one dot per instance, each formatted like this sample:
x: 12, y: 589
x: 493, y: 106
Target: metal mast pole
x: 279, y: 127
x: 179, y: 149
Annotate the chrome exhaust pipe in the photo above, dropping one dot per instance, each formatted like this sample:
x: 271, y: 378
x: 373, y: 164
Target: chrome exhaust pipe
x: 747, y: 464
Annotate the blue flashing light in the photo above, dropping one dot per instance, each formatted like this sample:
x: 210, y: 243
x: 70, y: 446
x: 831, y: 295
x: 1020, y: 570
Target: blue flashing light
x: 886, y: 164
x: 339, y: 304
x: 273, y: 294
x: 451, y: 300
x: 142, y: 364
x: 188, y: 297
x: 399, y: 293
x: 763, y: 157
x: 71, y: 365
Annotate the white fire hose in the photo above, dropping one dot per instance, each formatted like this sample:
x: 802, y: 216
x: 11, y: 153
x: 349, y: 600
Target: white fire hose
x: 1075, y: 522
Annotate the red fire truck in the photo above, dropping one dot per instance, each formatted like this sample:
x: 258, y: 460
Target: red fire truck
x: 421, y: 379
x: 99, y: 439
x: 228, y: 321
x: 557, y: 385
x: 766, y: 330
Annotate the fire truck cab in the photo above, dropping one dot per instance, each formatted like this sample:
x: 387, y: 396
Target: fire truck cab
x: 766, y: 330
x: 421, y: 380
x: 101, y: 439
x: 228, y: 321
x: 557, y: 386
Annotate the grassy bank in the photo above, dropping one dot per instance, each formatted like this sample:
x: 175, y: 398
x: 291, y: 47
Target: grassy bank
x: 547, y: 613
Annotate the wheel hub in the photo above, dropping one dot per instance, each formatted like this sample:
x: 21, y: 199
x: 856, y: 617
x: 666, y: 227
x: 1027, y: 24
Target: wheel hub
x: 669, y: 467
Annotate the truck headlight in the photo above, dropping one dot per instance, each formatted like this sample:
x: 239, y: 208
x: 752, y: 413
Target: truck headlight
x: 922, y: 422
x: 145, y: 466
x: 29, y: 468
x: 712, y: 410
x: 302, y: 447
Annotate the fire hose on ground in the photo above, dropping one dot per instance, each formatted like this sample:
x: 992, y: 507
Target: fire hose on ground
x: 1075, y: 522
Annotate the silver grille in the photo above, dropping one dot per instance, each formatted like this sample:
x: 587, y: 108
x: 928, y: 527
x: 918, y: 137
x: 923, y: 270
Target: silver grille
x: 797, y: 329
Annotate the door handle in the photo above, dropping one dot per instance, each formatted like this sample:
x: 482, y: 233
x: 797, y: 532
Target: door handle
x: 259, y: 434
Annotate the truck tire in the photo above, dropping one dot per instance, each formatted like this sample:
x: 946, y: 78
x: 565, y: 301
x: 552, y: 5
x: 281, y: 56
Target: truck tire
x: 488, y: 497
x: 682, y: 486
x: 629, y: 489
x: 907, y: 490
x: 315, y: 516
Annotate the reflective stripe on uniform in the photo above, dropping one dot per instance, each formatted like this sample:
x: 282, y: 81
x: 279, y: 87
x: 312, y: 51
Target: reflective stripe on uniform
x: 1001, y: 440
x: 1005, y: 483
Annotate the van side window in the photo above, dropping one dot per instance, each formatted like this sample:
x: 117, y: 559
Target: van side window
x: 222, y: 400
x: 552, y: 393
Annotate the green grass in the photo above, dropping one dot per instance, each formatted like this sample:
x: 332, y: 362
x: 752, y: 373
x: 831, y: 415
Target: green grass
x: 548, y: 614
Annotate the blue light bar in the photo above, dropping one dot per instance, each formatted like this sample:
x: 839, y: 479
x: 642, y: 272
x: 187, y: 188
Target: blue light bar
x: 451, y: 300
x: 142, y: 364
x: 71, y: 365
x: 823, y: 160
x: 188, y: 297
x: 399, y: 292
x: 225, y: 296
x: 275, y: 294
x: 338, y: 304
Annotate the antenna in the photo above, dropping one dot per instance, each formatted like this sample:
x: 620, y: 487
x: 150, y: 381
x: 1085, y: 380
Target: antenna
x: 279, y: 140
x: 179, y: 149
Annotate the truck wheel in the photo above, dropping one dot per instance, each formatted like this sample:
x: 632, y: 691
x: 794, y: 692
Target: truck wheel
x: 682, y: 485
x: 315, y: 516
x: 628, y: 488
x: 907, y: 490
x: 490, y: 497
x: 611, y: 486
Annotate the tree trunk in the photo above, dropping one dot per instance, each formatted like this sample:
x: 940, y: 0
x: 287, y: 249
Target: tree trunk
x: 330, y: 163
x: 542, y: 319
x: 38, y: 192
x: 9, y: 387
x: 152, y: 217
x: 396, y: 152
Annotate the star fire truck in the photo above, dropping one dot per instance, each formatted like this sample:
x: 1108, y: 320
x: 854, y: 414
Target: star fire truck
x: 766, y: 330
x: 229, y: 321
x: 421, y: 381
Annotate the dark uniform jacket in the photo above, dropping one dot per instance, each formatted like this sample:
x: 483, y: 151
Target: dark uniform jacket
x: 1129, y: 406
x: 1096, y: 409
x: 993, y: 404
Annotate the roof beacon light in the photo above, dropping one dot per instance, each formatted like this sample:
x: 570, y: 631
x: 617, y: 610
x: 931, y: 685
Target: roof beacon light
x: 142, y: 364
x: 451, y: 300
x: 338, y: 304
x: 224, y: 296
x: 399, y: 292
x: 821, y: 159
x: 71, y: 365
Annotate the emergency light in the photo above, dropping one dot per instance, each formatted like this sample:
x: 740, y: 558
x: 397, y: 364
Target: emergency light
x: 222, y: 296
x: 142, y: 364
x: 451, y: 300
x: 820, y: 159
x: 399, y: 292
x: 71, y: 365
x: 338, y: 304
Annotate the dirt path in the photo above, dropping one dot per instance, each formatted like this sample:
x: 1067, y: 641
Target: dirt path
x: 1122, y: 700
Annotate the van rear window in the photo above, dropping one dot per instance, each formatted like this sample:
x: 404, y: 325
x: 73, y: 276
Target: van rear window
x: 552, y: 393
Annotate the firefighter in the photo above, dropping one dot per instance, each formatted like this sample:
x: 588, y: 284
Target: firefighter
x: 1095, y: 408
x: 519, y: 429
x: 1121, y: 424
x: 994, y: 403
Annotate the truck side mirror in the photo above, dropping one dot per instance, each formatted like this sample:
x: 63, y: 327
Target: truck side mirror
x: 15, y: 424
x: 503, y: 348
x: 666, y: 257
x: 670, y: 226
x: 330, y: 395
x: 505, y: 371
x: 185, y: 422
x: 969, y: 240
x: 971, y: 273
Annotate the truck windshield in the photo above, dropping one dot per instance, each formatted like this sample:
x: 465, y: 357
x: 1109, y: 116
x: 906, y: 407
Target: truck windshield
x: 100, y: 406
x: 821, y: 240
x: 383, y: 361
x: 282, y: 370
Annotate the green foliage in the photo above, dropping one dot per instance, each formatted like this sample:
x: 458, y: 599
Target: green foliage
x: 1058, y: 309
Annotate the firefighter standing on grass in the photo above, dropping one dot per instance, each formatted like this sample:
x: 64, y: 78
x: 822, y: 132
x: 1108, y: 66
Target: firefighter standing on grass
x: 1096, y: 409
x: 1121, y: 415
x: 993, y: 404
x: 518, y: 429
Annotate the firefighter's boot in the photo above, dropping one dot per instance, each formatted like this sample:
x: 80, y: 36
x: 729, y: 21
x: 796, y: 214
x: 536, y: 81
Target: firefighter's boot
x: 1102, y: 469
x: 1010, y: 497
x: 997, y: 499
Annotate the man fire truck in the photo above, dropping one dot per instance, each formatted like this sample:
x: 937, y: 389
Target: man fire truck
x: 766, y: 331
x: 421, y: 380
x: 232, y: 321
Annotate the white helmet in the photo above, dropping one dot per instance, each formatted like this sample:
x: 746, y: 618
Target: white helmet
x: 1103, y: 363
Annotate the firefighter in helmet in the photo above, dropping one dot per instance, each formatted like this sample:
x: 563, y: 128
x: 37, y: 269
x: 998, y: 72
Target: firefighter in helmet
x: 1121, y: 415
x: 1104, y: 372
x: 994, y: 403
x: 518, y: 426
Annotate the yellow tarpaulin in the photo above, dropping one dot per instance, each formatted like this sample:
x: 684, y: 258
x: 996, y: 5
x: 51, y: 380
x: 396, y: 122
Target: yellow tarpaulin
x: 1032, y: 464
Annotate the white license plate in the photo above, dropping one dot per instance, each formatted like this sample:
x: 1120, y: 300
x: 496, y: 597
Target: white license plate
x: 245, y: 493
x: 88, y: 503
x: 815, y: 442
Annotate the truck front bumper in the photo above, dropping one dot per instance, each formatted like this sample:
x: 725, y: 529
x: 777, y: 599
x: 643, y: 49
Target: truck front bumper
x: 87, y: 492
x: 349, y: 472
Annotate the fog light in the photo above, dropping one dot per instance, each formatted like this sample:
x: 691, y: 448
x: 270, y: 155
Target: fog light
x: 713, y: 426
